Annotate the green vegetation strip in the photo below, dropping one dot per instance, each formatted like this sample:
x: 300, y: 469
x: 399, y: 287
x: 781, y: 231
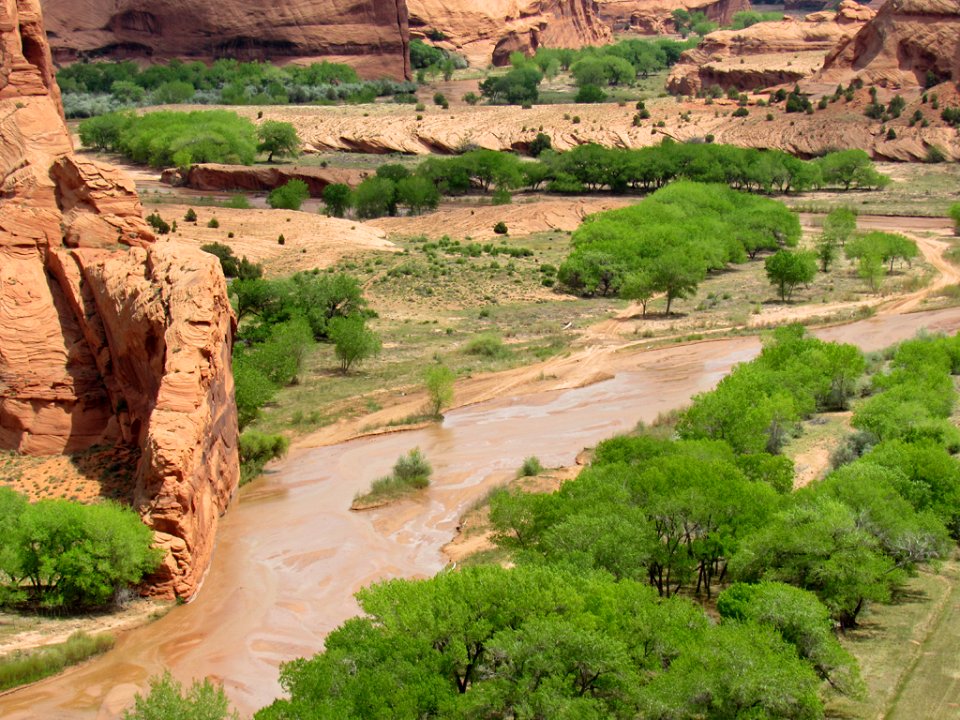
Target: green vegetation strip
x: 27, y: 667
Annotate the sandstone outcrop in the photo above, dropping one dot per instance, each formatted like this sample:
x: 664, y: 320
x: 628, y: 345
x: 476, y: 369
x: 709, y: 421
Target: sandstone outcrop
x: 906, y: 41
x: 654, y: 17
x: 487, y: 32
x: 107, y: 336
x: 217, y: 178
x: 371, y: 35
x: 395, y: 129
x: 768, y: 53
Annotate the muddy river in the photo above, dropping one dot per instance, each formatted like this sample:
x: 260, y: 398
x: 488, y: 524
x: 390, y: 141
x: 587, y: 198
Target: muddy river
x: 290, y: 554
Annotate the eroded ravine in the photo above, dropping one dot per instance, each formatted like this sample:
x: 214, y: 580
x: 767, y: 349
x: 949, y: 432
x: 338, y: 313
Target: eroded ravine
x: 291, y: 554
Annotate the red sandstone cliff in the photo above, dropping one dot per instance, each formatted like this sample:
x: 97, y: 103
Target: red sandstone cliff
x: 654, y: 16
x: 489, y: 31
x: 768, y: 53
x: 105, y: 335
x: 906, y: 40
x: 371, y: 35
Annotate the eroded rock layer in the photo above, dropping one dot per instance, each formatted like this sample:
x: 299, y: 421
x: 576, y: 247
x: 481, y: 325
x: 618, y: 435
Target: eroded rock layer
x: 371, y: 35
x: 908, y: 43
x: 655, y: 16
x: 107, y: 336
x: 768, y: 53
x: 488, y: 32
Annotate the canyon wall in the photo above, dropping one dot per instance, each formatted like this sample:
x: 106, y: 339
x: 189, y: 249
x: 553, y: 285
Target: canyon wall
x: 654, y: 17
x: 488, y: 32
x: 898, y: 48
x: 768, y: 53
x: 370, y: 35
x: 107, y: 336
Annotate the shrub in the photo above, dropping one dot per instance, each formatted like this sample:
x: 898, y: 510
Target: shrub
x: 540, y: 143
x: 162, y: 139
x: 410, y: 472
x: 353, y: 341
x: 190, y: 215
x: 439, y: 99
x: 158, y: 223
x: 471, y: 98
x: 500, y: 228
x: 487, y: 345
x: 256, y: 450
x: 439, y: 381
x: 238, y: 201
x: 213, y: 223
x: 502, y: 196
x: 740, y: 112
x: 167, y: 701
x: 289, y: 196
x: 20, y: 668
x: 955, y: 216
x: 531, y: 467
x: 61, y: 554
x: 590, y: 94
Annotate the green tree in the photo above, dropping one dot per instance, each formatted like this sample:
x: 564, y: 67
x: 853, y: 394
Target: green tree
x: 826, y: 249
x: 278, y: 138
x: 518, y: 86
x: 639, y: 287
x: 289, y: 196
x: 252, y: 390
x: 168, y: 701
x: 677, y: 275
x: 871, y: 270
x: 439, y: 381
x: 840, y: 224
x: 955, y: 215
x: 817, y: 545
x: 786, y: 270
x: 73, y: 556
x: 374, y: 197
x: 338, y: 198
x: 353, y: 341
x: 740, y: 671
x: 418, y: 194
x: 256, y: 450
x: 802, y: 620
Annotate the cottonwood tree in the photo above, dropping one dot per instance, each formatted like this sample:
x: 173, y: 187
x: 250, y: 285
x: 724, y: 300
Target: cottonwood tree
x: 786, y: 270
x: 278, y: 138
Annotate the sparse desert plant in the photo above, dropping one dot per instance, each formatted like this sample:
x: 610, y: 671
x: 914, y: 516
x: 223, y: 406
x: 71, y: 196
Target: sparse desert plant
x: 213, y: 223
x: 411, y: 472
x: 500, y: 228
x: 439, y: 381
x: 531, y: 467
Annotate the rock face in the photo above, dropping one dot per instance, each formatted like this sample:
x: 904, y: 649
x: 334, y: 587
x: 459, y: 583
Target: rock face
x: 654, y: 16
x: 371, y: 35
x: 105, y: 335
x: 489, y: 31
x: 217, y: 177
x: 766, y: 54
x: 905, y: 41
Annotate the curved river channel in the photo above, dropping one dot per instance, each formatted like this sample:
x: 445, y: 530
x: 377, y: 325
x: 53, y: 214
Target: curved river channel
x: 290, y: 554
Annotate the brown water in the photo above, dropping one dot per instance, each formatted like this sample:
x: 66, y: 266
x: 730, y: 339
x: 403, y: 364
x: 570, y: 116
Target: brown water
x: 291, y: 555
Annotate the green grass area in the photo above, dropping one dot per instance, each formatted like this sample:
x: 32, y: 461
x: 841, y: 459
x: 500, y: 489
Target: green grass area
x: 562, y: 90
x: 907, y: 653
x: 917, y: 190
x: 27, y: 667
x: 433, y: 304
